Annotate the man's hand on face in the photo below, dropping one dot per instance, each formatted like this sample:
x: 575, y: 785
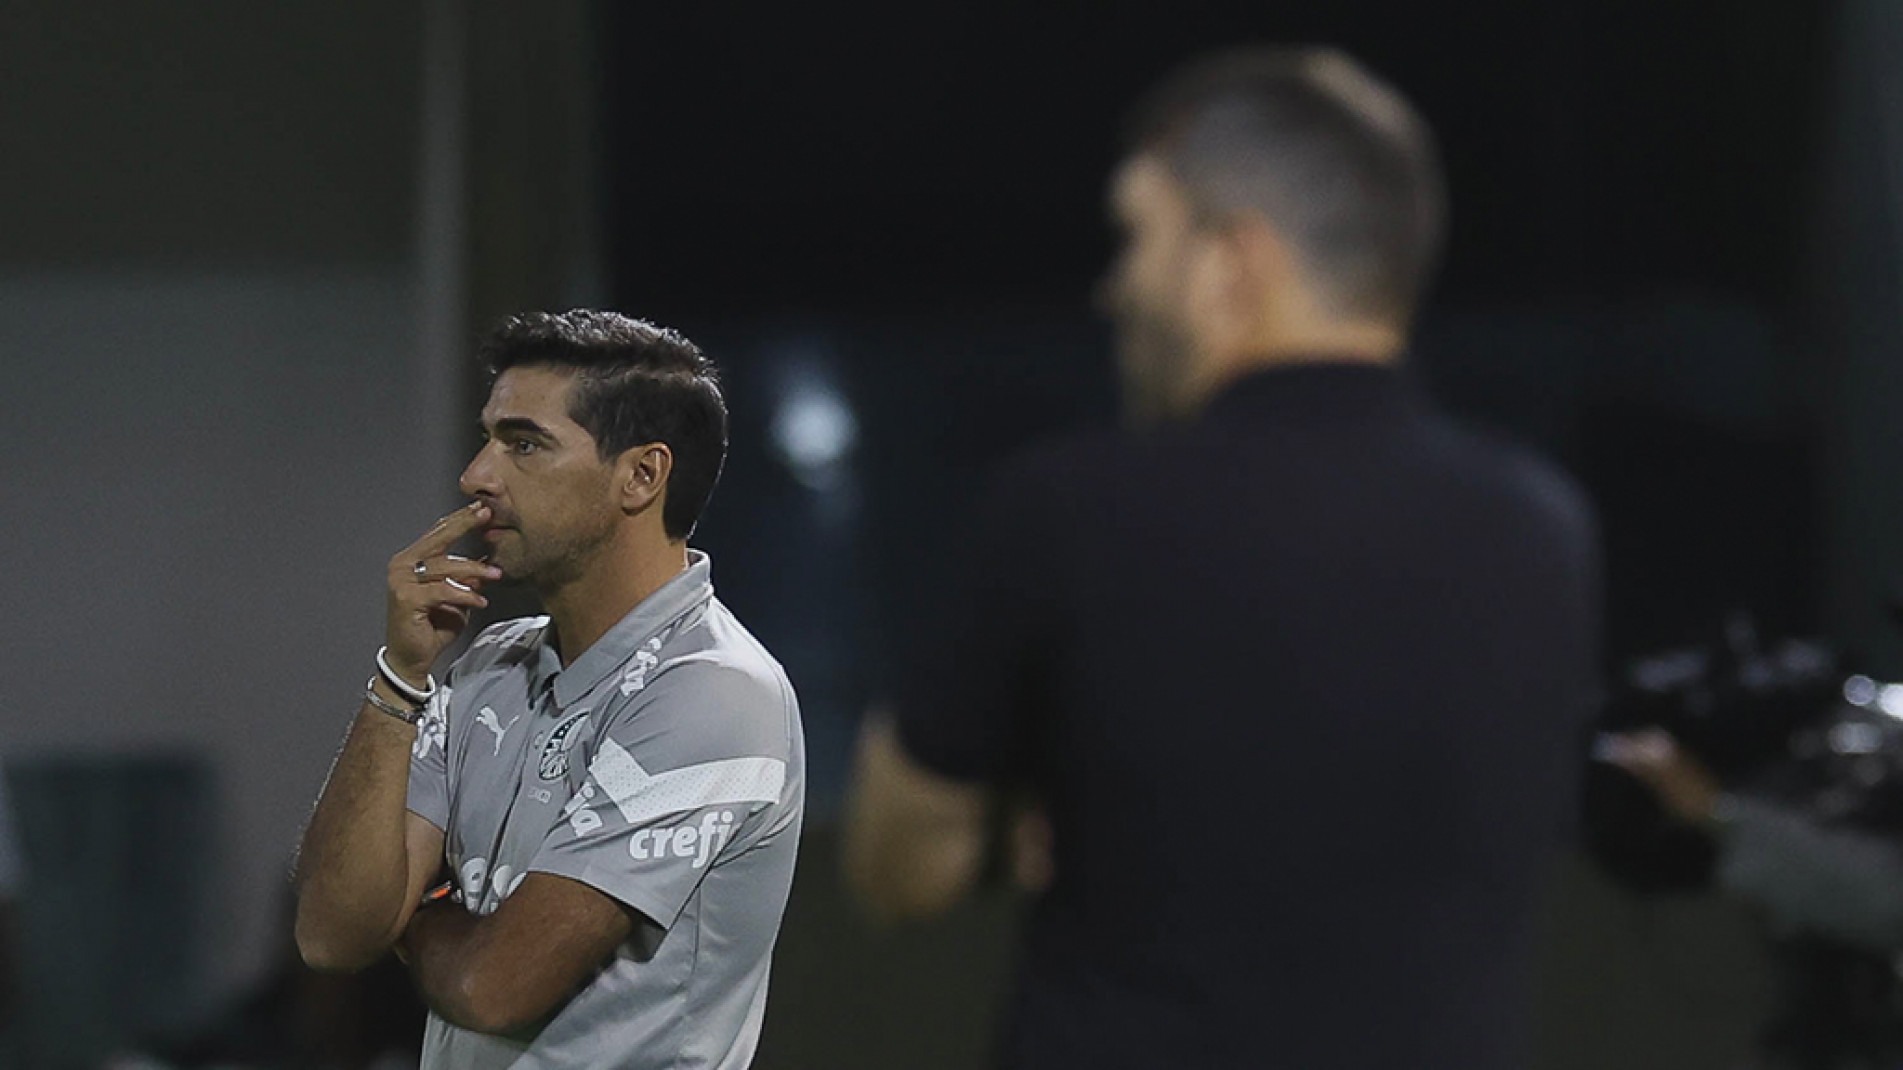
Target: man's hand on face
x: 1683, y: 785
x: 432, y: 593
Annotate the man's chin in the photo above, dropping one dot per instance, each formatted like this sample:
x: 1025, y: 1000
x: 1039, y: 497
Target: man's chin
x: 1145, y: 396
x: 1150, y: 359
x: 510, y: 563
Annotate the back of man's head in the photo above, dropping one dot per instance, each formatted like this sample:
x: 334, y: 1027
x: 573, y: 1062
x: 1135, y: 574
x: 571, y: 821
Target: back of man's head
x: 1337, y: 162
x: 636, y: 383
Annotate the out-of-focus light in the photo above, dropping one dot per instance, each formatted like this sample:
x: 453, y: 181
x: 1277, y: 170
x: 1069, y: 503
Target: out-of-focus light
x: 1860, y: 691
x: 814, y: 431
x: 1853, y: 738
x: 1890, y: 700
x: 1668, y: 671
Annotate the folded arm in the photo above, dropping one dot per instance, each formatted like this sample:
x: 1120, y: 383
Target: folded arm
x: 519, y: 965
x: 366, y: 860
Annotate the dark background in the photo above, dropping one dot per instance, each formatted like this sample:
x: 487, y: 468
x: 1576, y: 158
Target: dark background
x: 919, y: 195
x: 910, y: 205
x: 931, y: 159
x: 245, y: 251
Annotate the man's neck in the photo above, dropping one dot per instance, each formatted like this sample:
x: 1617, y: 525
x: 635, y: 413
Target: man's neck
x: 619, y: 579
x: 1335, y: 344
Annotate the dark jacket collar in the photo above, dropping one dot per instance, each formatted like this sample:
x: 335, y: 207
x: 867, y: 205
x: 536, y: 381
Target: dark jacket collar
x: 1320, y: 385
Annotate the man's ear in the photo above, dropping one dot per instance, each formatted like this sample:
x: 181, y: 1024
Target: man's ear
x: 1221, y: 285
x: 1263, y: 263
x: 641, y: 475
x: 1276, y: 273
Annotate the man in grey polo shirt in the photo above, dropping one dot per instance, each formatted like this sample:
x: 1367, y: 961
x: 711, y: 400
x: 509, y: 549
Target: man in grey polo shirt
x: 613, y: 791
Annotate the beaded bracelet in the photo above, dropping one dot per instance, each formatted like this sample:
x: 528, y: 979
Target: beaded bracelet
x: 407, y: 716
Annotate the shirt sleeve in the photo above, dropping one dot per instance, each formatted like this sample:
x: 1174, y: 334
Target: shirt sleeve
x: 693, y: 780
x: 974, y: 680
x: 429, y: 761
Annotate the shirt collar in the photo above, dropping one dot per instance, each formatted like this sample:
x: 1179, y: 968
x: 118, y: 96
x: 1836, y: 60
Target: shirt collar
x: 1320, y: 385
x: 656, y: 614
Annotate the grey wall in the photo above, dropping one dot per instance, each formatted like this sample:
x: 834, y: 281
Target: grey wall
x: 220, y: 467
x: 215, y: 133
x: 208, y: 345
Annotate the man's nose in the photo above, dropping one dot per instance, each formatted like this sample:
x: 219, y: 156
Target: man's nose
x: 477, y: 477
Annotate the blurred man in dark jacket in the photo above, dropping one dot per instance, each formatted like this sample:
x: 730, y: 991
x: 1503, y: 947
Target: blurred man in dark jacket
x: 1297, y: 665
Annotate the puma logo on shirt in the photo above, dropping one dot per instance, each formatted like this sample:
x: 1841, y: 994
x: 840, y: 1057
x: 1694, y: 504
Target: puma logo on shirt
x: 488, y: 719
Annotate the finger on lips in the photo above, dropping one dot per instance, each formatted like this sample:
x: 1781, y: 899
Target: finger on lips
x: 452, y: 527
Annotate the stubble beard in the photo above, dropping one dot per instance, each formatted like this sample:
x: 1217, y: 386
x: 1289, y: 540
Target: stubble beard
x: 553, y: 562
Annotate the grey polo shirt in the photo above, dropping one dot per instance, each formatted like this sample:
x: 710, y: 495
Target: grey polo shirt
x: 664, y: 767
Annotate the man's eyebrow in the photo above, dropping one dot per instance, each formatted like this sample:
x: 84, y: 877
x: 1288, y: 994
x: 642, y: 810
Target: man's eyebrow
x: 518, y: 425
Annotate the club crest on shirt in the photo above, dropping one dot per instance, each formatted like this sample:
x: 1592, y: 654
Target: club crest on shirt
x: 554, y: 761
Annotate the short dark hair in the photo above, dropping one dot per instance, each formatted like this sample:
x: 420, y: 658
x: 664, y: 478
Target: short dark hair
x: 1336, y: 159
x: 636, y: 383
